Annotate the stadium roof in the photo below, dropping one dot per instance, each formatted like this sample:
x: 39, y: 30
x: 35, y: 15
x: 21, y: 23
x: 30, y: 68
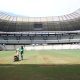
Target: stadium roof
x: 13, y: 23
x: 8, y: 17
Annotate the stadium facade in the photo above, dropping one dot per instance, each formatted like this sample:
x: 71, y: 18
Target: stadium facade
x: 21, y: 30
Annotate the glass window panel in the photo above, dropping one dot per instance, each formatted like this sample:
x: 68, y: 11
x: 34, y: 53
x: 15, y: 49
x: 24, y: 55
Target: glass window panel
x: 37, y: 19
x: 49, y: 18
x: 60, y: 18
x: 31, y: 19
x: 71, y: 16
x: 19, y: 18
x: 8, y: 17
x: 67, y: 17
x: 4, y: 17
x: 14, y: 19
x: 11, y: 18
x: 77, y: 14
x: 74, y: 16
x: 56, y: 18
x: 43, y: 19
x: 25, y: 19
x: 64, y: 18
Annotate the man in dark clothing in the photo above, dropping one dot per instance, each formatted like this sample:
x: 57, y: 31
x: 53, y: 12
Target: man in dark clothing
x: 21, y: 50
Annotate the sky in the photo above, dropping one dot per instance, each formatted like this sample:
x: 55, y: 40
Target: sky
x: 39, y: 8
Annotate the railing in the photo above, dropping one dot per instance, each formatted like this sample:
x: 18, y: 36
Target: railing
x: 39, y: 41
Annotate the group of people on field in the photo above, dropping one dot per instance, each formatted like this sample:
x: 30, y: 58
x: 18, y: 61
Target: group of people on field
x: 19, y: 52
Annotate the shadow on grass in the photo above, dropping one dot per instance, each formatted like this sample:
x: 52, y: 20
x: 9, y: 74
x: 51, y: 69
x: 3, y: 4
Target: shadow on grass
x: 39, y: 72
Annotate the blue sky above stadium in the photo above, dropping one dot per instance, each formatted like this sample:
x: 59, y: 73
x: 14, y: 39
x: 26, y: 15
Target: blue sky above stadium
x: 39, y: 8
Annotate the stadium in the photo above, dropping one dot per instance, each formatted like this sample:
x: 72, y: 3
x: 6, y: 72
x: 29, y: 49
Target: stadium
x: 19, y: 30
x: 51, y: 47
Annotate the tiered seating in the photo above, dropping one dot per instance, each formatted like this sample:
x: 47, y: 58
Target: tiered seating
x: 52, y: 37
x: 77, y: 36
x: 39, y: 38
x: 12, y: 38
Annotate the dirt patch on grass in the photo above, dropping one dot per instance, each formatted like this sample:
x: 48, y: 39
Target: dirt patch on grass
x: 53, y: 60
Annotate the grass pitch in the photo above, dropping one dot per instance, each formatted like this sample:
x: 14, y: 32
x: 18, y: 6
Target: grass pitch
x: 41, y: 65
x: 42, y: 57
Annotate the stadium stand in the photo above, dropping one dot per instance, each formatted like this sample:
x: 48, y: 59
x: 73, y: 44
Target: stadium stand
x: 57, y: 31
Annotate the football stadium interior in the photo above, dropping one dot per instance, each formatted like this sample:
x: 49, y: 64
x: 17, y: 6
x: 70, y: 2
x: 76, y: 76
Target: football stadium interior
x: 54, y: 30
x: 51, y: 47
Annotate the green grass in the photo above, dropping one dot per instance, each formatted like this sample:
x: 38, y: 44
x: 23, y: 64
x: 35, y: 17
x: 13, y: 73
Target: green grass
x: 41, y: 65
x: 43, y: 57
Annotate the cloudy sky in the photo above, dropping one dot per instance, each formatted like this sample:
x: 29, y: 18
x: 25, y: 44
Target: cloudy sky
x: 39, y: 8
